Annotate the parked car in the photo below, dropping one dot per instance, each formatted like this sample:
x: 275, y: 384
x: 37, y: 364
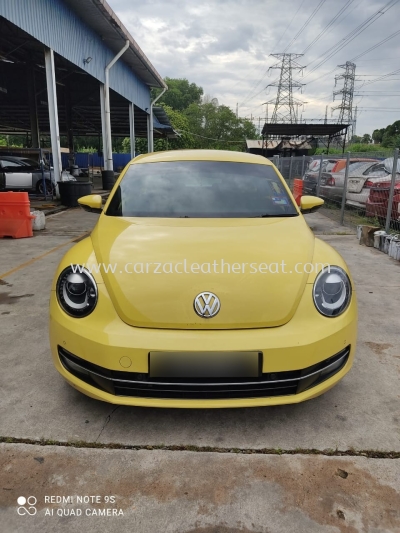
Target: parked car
x: 359, y: 185
x: 329, y: 168
x: 332, y: 184
x: 378, y: 201
x: 194, y: 337
x: 341, y: 163
x: 24, y: 174
x: 310, y: 178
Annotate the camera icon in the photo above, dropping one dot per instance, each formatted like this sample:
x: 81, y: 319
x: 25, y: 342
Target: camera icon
x: 26, y: 505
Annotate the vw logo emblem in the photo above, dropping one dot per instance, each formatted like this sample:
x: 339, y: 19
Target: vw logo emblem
x: 206, y: 304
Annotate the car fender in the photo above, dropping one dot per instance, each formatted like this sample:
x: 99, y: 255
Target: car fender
x: 325, y: 255
x: 80, y: 254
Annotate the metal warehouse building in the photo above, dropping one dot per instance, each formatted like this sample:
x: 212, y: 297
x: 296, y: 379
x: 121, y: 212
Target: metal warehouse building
x: 70, y: 67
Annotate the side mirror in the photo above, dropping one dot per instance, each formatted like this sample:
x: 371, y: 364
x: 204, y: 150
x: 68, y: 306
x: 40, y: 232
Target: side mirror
x: 310, y: 204
x: 92, y: 203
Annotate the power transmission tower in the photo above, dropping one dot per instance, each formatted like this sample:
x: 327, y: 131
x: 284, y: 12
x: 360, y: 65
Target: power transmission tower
x: 284, y: 110
x: 346, y: 106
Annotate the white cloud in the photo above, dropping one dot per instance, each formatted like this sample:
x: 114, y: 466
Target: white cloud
x: 225, y: 46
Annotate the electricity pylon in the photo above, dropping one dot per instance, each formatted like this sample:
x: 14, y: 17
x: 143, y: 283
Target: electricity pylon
x: 346, y: 106
x: 284, y: 110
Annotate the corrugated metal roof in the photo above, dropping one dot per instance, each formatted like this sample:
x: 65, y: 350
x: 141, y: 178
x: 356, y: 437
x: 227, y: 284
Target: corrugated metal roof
x: 99, y: 16
x: 301, y: 128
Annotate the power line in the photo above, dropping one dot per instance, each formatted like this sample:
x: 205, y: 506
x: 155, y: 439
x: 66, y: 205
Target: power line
x: 381, y: 108
x: 209, y: 138
x: 251, y: 98
x: 342, y: 10
x: 376, y: 45
x: 381, y: 78
x: 288, y: 26
x: 360, y: 55
x: 307, y: 22
x: 350, y: 37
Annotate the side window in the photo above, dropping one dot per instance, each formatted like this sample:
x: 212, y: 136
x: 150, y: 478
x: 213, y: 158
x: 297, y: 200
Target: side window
x: 373, y: 169
x: 9, y: 164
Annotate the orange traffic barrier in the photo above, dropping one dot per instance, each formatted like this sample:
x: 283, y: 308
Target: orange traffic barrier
x: 15, y: 216
x: 297, y: 190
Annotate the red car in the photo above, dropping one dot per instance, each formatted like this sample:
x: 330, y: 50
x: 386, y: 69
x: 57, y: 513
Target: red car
x: 377, y: 202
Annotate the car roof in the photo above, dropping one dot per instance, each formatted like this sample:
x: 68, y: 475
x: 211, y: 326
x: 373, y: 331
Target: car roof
x: 12, y: 157
x: 201, y: 155
x: 359, y: 170
x: 364, y: 159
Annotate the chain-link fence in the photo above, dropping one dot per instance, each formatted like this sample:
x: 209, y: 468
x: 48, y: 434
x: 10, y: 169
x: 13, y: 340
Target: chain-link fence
x: 357, y: 188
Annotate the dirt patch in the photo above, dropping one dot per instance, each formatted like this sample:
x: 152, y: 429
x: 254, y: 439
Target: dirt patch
x: 6, y: 299
x: 378, y: 347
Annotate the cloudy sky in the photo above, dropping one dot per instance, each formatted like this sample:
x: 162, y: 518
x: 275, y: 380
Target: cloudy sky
x: 225, y: 46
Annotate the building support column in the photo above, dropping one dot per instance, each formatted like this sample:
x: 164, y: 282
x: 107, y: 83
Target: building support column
x: 132, y: 128
x: 70, y: 131
x: 33, y: 114
x: 53, y: 112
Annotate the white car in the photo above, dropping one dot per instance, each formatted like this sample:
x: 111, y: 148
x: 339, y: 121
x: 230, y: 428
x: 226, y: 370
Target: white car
x: 359, y: 184
x: 24, y: 174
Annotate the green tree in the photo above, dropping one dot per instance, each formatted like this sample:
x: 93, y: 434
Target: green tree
x: 366, y: 138
x: 389, y: 136
x: 377, y: 135
x: 388, y: 141
x: 180, y: 124
x: 180, y: 94
x: 140, y: 145
x: 216, y: 126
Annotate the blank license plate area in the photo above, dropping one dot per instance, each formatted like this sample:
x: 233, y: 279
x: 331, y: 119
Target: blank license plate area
x: 353, y: 185
x: 205, y: 364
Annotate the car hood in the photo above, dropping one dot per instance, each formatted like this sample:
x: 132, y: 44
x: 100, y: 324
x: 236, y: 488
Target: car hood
x: 145, y: 253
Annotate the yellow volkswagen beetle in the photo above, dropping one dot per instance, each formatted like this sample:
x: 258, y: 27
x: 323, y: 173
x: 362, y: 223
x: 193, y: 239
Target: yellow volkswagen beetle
x: 200, y: 286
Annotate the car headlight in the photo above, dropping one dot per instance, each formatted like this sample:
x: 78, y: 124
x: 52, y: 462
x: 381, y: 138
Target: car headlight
x: 76, y: 291
x: 332, y: 291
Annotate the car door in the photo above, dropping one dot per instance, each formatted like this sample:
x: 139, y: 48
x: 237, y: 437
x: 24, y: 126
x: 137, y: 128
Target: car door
x: 17, y: 174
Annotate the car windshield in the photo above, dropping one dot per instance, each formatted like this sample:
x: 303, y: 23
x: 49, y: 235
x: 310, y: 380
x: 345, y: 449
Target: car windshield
x: 30, y: 162
x: 201, y: 189
x: 355, y: 166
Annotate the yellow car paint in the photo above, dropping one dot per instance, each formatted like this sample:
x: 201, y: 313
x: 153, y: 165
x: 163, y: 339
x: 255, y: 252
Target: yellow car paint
x: 139, y: 313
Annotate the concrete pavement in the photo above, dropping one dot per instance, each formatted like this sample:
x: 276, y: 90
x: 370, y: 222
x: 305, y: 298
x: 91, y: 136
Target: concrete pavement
x: 361, y: 413
x: 188, y: 492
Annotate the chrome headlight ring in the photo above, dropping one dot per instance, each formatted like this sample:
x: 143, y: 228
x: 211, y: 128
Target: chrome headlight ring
x: 77, y: 291
x: 332, y: 291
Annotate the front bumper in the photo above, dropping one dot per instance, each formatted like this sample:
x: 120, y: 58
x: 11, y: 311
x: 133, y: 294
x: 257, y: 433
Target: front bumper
x: 109, y: 348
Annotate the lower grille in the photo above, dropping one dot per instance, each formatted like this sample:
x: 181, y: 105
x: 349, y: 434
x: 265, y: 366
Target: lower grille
x: 141, y: 385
